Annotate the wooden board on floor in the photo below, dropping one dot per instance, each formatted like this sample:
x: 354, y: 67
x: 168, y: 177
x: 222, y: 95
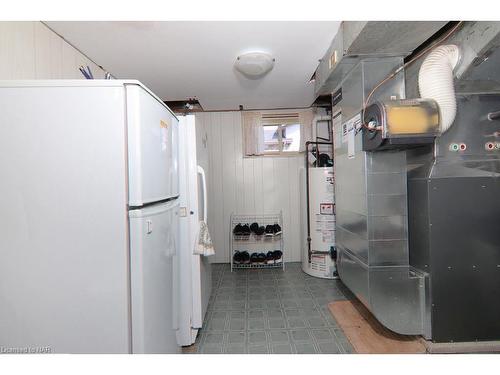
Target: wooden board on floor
x: 367, y: 335
x: 461, y: 347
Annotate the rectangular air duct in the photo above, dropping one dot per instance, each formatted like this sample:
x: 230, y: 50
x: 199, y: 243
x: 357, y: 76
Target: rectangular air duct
x: 372, y: 215
x: 358, y: 40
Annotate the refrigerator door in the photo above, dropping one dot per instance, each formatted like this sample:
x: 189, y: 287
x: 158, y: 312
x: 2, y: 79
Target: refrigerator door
x: 63, y: 227
x: 186, y: 239
x: 152, y: 148
x: 153, y: 269
x: 202, y: 270
x: 195, y: 269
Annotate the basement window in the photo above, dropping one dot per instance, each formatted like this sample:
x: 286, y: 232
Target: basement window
x: 274, y: 133
x: 281, y: 134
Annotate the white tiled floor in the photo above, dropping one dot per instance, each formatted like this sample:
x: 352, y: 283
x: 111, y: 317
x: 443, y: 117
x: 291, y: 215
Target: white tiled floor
x: 271, y: 311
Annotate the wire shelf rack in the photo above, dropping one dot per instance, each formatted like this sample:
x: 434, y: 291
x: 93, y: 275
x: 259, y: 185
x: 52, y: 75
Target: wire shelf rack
x: 255, y: 239
x: 258, y: 265
x: 253, y: 243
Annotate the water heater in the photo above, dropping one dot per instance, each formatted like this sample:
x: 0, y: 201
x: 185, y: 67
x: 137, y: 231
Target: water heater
x: 318, y: 218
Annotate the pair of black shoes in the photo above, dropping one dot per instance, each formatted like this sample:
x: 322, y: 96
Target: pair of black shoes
x: 241, y: 257
x: 276, y: 255
x: 273, y: 256
x: 257, y: 229
x: 241, y: 230
x: 273, y: 230
x: 269, y: 258
x: 258, y: 258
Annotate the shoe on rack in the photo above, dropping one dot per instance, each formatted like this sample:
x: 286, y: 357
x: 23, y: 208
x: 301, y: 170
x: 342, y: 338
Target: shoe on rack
x: 269, y: 257
x: 261, y: 258
x: 277, y: 254
x: 245, y: 257
x: 245, y: 230
x: 276, y: 229
x: 254, y: 258
x: 237, y: 230
x: 269, y: 230
x: 237, y: 257
x: 254, y: 227
x: 260, y: 230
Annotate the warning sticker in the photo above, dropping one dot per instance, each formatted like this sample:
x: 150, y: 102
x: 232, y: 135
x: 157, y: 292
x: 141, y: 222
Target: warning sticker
x: 350, y: 129
x: 330, y: 185
x: 318, y: 259
x: 326, y: 208
x: 328, y: 236
x: 344, y: 132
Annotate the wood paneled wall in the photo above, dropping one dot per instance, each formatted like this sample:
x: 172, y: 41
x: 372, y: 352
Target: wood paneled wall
x: 247, y: 185
x: 30, y: 50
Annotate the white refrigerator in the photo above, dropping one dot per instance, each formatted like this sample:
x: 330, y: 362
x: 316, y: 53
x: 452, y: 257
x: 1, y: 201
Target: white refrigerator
x: 89, y: 233
x: 195, y: 269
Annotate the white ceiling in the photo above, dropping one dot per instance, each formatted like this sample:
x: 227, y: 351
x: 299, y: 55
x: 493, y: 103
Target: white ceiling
x: 178, y: 60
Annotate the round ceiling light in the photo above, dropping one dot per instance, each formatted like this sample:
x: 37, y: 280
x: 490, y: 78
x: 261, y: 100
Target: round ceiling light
x: 254, y: 64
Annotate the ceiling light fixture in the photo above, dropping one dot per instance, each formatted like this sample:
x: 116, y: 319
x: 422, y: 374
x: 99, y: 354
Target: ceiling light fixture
x: 254, y: 64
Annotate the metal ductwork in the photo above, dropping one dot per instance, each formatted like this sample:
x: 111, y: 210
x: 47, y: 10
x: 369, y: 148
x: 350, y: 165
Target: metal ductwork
x: 371, y: 206
x: 357, y: 40
x: 417, y: 205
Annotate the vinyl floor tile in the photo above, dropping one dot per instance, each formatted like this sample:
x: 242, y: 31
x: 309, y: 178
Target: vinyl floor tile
x: 271, y: 311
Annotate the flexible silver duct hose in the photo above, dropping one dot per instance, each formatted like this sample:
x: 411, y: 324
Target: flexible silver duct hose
x: 435, y: 81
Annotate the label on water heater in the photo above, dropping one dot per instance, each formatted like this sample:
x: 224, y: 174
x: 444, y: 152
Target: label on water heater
x: 320, y: 259
x: 326, y: 208
x: 328, y: 236
x: 322, y: 208
x: 330, y: 183
x: 325, y: 227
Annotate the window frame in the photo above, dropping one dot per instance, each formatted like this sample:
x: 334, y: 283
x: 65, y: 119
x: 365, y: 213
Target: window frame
x: 271, y: 119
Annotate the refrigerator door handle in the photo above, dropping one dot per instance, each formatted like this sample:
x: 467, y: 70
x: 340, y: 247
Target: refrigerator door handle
x: 204, y: 183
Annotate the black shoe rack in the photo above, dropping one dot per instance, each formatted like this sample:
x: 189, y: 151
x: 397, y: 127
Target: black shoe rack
x: 256, y: 241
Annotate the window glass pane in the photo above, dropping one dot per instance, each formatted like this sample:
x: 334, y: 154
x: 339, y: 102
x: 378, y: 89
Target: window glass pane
x: 271, y: 138
x: 291, y: 137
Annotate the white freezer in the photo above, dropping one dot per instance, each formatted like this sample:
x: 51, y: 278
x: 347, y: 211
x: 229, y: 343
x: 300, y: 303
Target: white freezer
x: 154, y: 283
x: 196, y: 276
x: 65, y: 242
x: 152, y: 148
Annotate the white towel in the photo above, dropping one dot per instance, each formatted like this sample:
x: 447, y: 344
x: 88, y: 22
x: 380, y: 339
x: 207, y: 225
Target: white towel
x: 204, y: 245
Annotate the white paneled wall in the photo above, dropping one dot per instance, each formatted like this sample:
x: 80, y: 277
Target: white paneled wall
x: 30, y: 50
x: 247, y: 185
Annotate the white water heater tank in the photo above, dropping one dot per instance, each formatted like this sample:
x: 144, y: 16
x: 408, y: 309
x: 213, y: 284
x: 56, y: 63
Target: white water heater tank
x: 317, y: 257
